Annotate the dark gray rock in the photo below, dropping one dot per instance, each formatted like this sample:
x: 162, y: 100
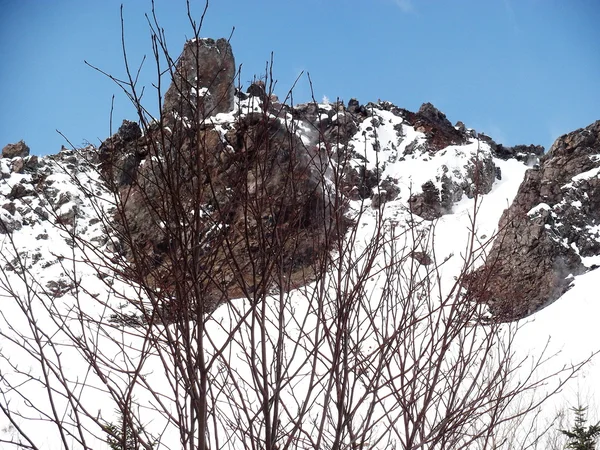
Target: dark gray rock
x: 529, y: 154
x: 121, y: 154
x: 257, y: 89
x: 18, y: 191
x: 434, y: 124
x: 343, y: 127
x: 427, y: 204
x: 360, y: 181
x: 477, y: 179
x: 59, y: 288
x: 240, y: 94
x: 8, y: 224
x: 431, y: 113
x: 387, y: 191
x: 10, y: 207
x: 129, y: 131
x: 353, y: 106
x: 31, y: 164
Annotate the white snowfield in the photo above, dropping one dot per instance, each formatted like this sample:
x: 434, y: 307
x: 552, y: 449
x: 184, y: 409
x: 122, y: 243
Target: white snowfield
x: 34, y: 322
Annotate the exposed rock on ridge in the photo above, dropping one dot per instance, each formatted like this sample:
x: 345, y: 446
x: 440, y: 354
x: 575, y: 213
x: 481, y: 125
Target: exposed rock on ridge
x: 20, y: 149
x: 549, y: 230
x: 252, y: 180
x: 229, y: 151
x: 203, y: 79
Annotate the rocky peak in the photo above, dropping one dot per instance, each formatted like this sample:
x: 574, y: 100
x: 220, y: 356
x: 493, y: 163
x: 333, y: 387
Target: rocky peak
x: 429, y: 112
x: 272, y: 154
x: 437, y: 127
x: 529, y: 154
x: 20, y: 149
x: 203, y: 80
x: 549, y: 233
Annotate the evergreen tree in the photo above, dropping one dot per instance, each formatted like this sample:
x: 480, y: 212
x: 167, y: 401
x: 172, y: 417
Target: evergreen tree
x: 580, y: 436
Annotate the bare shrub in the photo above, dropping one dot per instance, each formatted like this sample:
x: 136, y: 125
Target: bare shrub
x: 248, y: 313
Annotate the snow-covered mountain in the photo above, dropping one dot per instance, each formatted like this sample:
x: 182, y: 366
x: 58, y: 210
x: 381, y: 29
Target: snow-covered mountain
x: 334, y: 258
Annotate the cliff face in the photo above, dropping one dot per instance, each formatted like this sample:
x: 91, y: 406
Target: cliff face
x: 550, y: 233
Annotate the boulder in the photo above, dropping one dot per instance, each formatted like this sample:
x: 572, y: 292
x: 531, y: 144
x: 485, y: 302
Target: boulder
x: 354, y: 106
x: 17, y: 165
x: 427, y: 204
x: 20, y: 149
x: 129, y: 131
x: 19, y: 191
x: 257, y: 89
x: 460, y: 126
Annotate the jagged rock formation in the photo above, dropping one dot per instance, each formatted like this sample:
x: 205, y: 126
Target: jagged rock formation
x: 203, y: 80
x: 433, y: 202
x: 548, y: 232
x: 437, y: 127
x: 257, y: 192
x: 529, y: 154
x: 259, y: 154
x: 38, y: 195
x: 20, y: 149
x: 259, y: 196
x: 338, y: 125
x: 266, y: 181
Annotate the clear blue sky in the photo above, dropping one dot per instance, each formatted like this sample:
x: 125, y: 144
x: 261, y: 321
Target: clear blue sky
x: 523, y: 71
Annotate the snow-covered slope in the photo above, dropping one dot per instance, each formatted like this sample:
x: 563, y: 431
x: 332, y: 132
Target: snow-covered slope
x: 435, y: 193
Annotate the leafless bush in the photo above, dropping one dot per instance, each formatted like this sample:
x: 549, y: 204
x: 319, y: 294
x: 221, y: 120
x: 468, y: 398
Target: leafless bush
x: 249, y: 314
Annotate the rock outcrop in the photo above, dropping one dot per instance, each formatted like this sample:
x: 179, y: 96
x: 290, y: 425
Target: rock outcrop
x: 20, y: 150
x: 256, y: 190
x: 268, y: 183
x: 203, y: 80
x: 259, y: 197
x: 438, y: 129
x: 475, y: 179
x: 528, y: 154
x: 548, y: 232
x: 122, y: 153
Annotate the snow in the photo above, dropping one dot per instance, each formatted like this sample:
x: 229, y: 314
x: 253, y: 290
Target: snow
x: 202, y: 92
x: 538, y: 208
x: 592, y: 173
x: 567, y: 328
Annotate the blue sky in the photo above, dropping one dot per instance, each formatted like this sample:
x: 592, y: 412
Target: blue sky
x: 523, y: 71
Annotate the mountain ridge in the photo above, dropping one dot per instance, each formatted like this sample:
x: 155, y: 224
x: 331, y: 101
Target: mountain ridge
x: 351, y: 237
